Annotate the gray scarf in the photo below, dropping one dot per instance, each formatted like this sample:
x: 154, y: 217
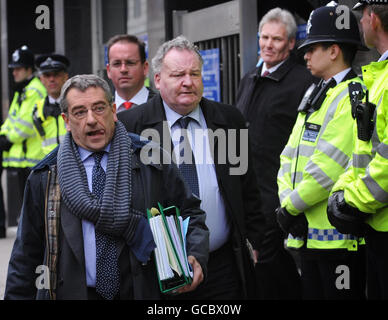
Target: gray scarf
x: 112, y: 214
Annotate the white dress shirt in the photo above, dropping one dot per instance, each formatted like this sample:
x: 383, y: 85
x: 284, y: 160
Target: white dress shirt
x: 212, y: 202
x: 139, y: 98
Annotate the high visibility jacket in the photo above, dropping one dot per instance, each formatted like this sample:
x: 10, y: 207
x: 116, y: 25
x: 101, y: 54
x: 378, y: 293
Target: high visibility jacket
x: 50, y: 128
x: 365, y: 183
x: 317, y: 153
x: 26, y: 148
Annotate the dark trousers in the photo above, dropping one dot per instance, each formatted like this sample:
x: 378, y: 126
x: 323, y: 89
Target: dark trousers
x: 2, y: 208
x: 277, y: 275
x: 377, y: 264
x: 222, y: 282
x: 335, y: 275
x: 16, y: 181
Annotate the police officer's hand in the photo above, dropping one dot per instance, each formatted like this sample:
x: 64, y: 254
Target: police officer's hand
x: 198, y: 276
x: 296, y: 225
x: 5, y: 144
x: 345, y: 218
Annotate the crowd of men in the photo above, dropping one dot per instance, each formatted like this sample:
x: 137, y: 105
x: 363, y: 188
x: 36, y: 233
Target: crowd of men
x: 306, y: 197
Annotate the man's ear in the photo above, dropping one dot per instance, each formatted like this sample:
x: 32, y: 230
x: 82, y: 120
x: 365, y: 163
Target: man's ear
x: 157, y: 80
x: 66, y: 119
x: 291, y: 44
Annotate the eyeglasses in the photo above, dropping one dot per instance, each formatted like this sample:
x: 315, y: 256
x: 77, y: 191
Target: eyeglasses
x: 81, y: 113
x: 127, y: 63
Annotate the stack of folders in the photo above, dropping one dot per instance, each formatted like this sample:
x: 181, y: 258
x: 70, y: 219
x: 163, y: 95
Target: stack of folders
x: 169, y: 231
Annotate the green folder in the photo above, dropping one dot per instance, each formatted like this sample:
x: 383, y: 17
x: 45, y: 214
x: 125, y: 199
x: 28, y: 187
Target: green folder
x: 170, y: 256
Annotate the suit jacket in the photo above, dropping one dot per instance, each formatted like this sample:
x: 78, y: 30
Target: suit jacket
x: 151, y: 184
x: 240, y: 192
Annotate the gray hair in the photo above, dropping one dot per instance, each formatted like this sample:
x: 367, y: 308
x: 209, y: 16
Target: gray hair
x: 179, y: 43
x: 83, y: 82
x: 281, y: 16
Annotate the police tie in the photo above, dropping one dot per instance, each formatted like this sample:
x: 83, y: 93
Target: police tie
x: 107, y: 270
x: 187, y: 161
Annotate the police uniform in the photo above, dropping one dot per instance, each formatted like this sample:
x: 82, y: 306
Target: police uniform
x: 317, y: 153
x: 361, y: 194
x: 48, y: 122
x: 20, y: 145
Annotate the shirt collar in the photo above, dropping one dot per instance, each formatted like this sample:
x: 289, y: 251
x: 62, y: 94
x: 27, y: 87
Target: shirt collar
x: 85, y: 154
x: 384, y: 56
x: 339, y: 76
x: 139, y: 98
x: 173, y: 116
x: 52, y: 100
x: 272, y: 69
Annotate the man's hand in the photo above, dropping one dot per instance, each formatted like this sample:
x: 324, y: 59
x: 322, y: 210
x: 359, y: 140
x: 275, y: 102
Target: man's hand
x: 198, y: 276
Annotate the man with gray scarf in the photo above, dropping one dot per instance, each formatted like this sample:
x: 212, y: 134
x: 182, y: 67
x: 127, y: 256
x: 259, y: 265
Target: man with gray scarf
x: 104, y: 242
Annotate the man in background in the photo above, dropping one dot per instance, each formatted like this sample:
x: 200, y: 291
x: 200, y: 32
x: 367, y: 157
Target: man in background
x: 128, y: 68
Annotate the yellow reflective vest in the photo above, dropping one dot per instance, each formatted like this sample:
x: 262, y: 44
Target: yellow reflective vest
x: 26, y: 150
x: 317, y: 153
x: 365, y: 183
x: 51, y: 129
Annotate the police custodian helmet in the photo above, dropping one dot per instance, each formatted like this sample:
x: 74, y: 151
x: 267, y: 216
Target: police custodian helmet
x: 326, y: 24
x: 360, y: 4
x: 22, y: 57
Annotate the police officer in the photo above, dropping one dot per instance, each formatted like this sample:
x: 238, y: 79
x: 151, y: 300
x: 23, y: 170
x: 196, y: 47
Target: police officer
x: 361, y: 194
x: 47, y: 117
x: 316, y: 154
x: 18, y: 141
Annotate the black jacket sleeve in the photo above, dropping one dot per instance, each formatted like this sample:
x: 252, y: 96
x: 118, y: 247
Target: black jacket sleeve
x: 29, y: 247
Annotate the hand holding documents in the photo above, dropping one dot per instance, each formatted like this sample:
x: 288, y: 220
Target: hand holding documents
x: 169, y: 231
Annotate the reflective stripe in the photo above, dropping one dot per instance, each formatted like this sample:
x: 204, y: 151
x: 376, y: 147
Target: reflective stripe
x: 285, y: 168
x: 333, y: 152
x: 21, y: 133
x: 377, y: 192
x: 306, y: 151
x: 20, y: 160
x: 36, y: 90
x: 288, y: 152
x: 297, y: 201
x: 361, y: 160
x: 382, y: 150
x: 25, y: 123
x: 319, y: 175
x: 332, y: 108
x: 50, y: 141
x: 284, y: 194
x: 328, y: 235
x: 297, y: 177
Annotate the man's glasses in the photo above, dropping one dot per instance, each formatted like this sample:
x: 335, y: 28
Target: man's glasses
x: 81, y: 113
x: 127, y: 63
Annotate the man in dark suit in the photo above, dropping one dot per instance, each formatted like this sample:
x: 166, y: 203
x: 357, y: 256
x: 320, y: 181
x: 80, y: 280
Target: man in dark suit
x: 90, y: 239
x: 127, y: 68
x: 268, y: 97
x: 215, y: 163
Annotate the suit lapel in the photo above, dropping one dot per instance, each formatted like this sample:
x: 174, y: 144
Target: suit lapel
x: 72, y: 230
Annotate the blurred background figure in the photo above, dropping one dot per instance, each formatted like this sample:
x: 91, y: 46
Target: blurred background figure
x: 47, y: 117
x: 21, y: 147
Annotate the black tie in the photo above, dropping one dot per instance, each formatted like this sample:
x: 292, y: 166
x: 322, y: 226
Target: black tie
x: 107, y: 271
x: 187, y: 164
